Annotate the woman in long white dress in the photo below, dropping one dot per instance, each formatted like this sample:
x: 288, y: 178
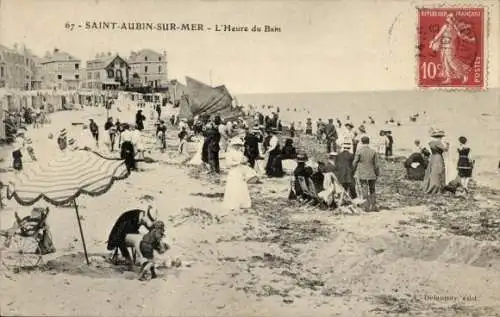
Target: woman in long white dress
x: 236, y: 194
x: 196, y: 159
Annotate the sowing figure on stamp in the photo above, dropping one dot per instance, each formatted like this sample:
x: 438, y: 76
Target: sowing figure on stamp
x: 446, y: 42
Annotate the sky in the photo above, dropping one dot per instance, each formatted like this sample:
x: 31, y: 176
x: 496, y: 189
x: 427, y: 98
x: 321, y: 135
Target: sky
x: 323, y: 45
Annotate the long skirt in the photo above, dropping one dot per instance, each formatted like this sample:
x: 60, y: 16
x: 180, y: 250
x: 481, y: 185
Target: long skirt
x: 196, y: 159
x: 435, y: 175
x: 128, y: 154
x: 236, y: 194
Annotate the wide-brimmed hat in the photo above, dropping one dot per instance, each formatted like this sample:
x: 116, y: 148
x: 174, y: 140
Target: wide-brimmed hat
x: 302, y: 158
x: 437, y: 133
x: 71, y: 142
x: 236, y: 141
x: 36, y: 212
x: 362, y: 128
x: 27, y: 141
x: 63, y: 133
x: 349, y: 124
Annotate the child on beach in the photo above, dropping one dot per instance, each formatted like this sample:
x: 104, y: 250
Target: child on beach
x: 388, y: 144
x: 182, y: 139
x: 465, y: 164
x: 380, y: 143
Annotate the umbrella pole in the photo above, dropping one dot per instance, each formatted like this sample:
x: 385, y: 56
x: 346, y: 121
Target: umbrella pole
x: 81, y: 233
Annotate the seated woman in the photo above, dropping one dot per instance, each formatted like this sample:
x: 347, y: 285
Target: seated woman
x: 288, y: 152
x: 302, y: 170
x: 416, y: 163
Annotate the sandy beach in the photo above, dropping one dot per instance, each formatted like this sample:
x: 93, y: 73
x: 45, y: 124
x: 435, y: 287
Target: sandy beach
x: 277, y: 259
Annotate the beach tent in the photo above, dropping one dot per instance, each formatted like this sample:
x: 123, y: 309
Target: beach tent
x: 64, y: 178
x: 201, y: 99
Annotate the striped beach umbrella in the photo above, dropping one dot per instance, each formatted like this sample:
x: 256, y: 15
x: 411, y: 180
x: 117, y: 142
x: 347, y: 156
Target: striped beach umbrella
x: 66, y: 176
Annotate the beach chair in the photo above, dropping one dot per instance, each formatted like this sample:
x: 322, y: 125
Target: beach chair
x: 24, y: 242
x: 305, y: 189
x: 343, y: 199
x: 313, y: 192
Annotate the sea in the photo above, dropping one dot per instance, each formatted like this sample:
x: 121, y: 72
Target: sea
x: 473, y: 114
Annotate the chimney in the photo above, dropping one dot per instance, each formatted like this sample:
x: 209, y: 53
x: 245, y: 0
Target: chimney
x: 56, y: 50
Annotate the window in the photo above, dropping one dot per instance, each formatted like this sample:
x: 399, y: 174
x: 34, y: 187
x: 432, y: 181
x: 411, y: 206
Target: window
x: 89, y: 75
x: 146, y: 58
x: 76, y: 66
x: 111, y: 73
x: 84, y: 85
x: 97, y: 75
x: 77, y: 76
x: 145, y: 69
x: 119, y: 76
x: 2, y: 72
x: 145, y: 79
x: 59, y: 68
x: 159, y: 59
x: 122, y: 65
x: 159, y: 69
x: 59, y: 77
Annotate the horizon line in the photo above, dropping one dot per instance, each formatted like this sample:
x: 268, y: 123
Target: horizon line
x: 415, y: 89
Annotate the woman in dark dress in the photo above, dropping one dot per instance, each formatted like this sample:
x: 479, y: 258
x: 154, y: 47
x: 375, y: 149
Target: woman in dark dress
x: 274, y: 168
x: 128, y: 222
x: 464, y: 164
x: 17, y: 156
x: 139, y: 120
x: 288, y: 152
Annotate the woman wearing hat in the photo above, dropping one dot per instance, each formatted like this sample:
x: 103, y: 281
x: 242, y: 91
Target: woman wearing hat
x: 17, y: 156
x: 236, y: 194
x: 347, y: 137
x: 435, y: 174
x: 251, y: 145
x: 302, y: 170
x: 274, y: 167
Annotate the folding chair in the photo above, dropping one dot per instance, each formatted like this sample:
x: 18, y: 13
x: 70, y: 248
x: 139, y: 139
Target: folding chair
x: 344, y: 200
x: 313, y: 192
x: 305, y: 189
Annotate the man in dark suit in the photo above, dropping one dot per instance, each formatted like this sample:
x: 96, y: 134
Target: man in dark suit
x: 367, y: 170
x: 345, y: 171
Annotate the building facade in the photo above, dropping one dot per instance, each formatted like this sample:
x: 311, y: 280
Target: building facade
x: 106, y: 71
x: 148, y: 68
x: 17, y: 67
x: 59, y: 70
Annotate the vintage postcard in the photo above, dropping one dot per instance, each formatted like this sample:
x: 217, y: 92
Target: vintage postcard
x: 249, y: 158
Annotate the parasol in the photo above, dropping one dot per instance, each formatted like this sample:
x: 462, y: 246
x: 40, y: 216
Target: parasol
x: 67, y: 176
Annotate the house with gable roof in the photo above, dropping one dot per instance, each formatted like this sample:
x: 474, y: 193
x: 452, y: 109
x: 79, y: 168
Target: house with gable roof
x: 106, y: 71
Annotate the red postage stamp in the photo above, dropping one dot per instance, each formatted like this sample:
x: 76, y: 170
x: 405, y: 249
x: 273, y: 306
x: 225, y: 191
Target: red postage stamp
x: 451, y: 47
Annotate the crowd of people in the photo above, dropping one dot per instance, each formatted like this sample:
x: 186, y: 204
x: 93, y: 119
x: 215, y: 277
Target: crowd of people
x: 260, y: 147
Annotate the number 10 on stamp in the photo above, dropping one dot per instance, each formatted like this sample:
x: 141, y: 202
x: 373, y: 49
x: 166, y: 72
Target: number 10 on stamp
x: 451, y: 47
